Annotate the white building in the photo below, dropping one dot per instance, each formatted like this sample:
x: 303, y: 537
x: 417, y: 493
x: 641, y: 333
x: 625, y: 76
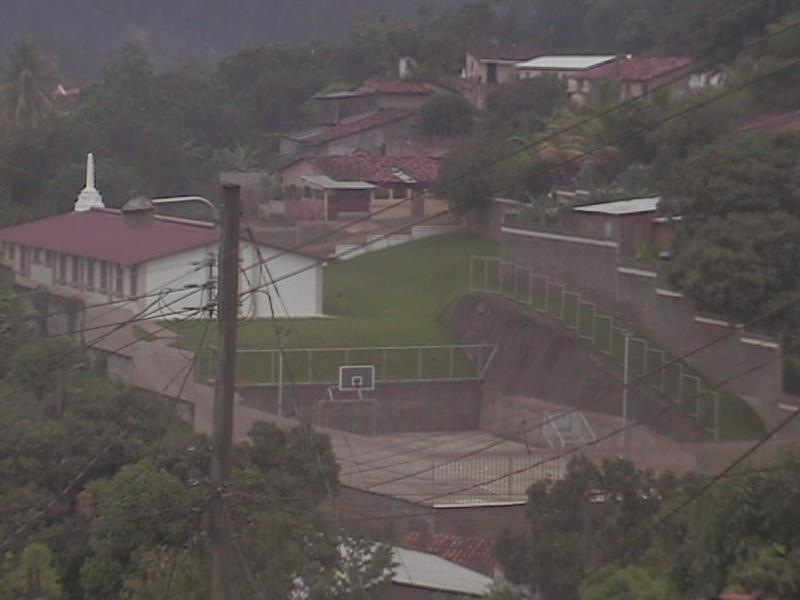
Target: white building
x: 567, y: 67
x: 161, y: 266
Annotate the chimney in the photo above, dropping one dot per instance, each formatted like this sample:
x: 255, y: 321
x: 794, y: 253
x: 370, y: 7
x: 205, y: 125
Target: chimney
x: 139, y: 211
x: 89, y: 197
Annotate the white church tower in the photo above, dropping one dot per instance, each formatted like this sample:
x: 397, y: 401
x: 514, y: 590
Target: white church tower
x: 89, y: 198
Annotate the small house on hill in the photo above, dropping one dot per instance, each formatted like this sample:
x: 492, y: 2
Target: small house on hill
x: 379, y: 132
x: 636, y: 76
x: 636, y: 224
x: 374, y: 95
x: 566, y: 66
x: 148, y: 263
x: 331, y: 187
x: 495, y: 64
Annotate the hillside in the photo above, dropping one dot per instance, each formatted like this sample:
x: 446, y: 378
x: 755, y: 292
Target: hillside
x: 85, y: 34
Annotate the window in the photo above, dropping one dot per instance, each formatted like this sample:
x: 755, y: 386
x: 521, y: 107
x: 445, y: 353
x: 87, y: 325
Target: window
x: 134, y: 281
x: 62, y: 268
x: 76, y: 271
x: 48, y: 258
x: 118, y: 283
x: 90, y: 274
x: 103, y: 276
x: 308, y: 192
x: 319, y: 194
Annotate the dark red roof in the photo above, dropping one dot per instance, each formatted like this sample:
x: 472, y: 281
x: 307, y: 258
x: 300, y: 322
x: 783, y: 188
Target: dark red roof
x: 379, y: 169
x: 382, y: 117
x: 475, y: 553
x: 397, y: 87
x: 638, y: 69
x: 774, y: 123
x: 108, y: 235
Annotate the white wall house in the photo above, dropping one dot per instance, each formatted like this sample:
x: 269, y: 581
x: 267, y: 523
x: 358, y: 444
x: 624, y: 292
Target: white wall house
x: 160, y: 266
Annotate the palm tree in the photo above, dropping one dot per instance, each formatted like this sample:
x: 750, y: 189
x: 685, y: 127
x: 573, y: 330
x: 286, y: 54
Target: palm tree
x: 27, y: 78
x: 572, y: 149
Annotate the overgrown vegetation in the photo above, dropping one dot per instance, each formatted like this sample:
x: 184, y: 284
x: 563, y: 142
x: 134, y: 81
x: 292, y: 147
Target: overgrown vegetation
x: 612, y: 531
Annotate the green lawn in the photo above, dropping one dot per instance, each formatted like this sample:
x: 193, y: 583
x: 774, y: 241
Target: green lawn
x: 393, y: 297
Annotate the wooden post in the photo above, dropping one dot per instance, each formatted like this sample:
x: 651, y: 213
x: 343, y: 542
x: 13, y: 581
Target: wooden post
x: 219, y: 529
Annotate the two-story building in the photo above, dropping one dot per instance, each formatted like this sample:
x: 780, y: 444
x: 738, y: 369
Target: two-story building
x: 159, y: 266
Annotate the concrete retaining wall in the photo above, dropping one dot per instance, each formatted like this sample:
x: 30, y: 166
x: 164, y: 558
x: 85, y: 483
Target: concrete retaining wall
x: 591, y: 268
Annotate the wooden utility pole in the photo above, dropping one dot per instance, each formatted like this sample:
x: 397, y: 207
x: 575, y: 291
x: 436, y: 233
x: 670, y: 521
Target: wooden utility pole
x: 219, y: 529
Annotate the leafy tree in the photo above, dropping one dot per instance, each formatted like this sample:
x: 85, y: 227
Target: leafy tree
x: 567, y: 533
x: 446, y: 115
x: 139, y: 508
x: 741, y: 265
x: 524, y: 107
x: 27, y: 79
x: 42, y: 367
x: 739, y: 173
x: 741, y: 534
x: 637, y: 31
x: 36, y: 576
x: 627, y: 583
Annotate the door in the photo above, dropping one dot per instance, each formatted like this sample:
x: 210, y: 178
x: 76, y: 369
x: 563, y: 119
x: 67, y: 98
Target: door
x: 491, y: 73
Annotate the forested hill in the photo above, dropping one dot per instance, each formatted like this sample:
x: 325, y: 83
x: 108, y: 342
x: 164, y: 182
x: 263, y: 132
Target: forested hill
x: 85, y: 33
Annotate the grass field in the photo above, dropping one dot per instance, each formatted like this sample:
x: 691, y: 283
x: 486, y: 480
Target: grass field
x: 392, y: 297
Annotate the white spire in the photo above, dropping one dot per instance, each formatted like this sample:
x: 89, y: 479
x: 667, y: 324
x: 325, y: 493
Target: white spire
x: 89, y: 198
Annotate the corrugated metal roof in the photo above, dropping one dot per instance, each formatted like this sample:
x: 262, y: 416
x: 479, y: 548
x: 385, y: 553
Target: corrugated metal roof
x: 622, y: 207
x: 326, y: 182
x: 566, y: 62
x: 430, y: 572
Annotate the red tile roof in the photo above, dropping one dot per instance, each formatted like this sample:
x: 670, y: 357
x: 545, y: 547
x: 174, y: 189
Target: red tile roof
x: 397, y: 87
x: 774, y: 123
x: 108, y: 235
x: 638, y: 69
x: 379, y: 169
x: 475, y: 553
x: 382, y: 117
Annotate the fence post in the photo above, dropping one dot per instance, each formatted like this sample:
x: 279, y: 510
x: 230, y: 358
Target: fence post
x: 472, y: 273
x: 546, y: 296
x: 514, y: 270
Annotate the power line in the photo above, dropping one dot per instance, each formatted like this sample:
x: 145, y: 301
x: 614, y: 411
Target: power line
x: 693, y: 497
x: 641, y: 378
x: 549, y: 137
x: 610, y: 435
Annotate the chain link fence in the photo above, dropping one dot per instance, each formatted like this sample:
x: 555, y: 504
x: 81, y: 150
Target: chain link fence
x: 392, y: 363
x: 491, y: 275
